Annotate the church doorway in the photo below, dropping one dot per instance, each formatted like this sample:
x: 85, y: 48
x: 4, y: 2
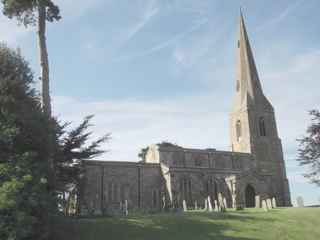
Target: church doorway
x: 250, y: 196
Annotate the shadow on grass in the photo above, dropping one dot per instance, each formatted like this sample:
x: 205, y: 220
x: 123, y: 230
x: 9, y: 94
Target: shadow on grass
x: 190, y: 226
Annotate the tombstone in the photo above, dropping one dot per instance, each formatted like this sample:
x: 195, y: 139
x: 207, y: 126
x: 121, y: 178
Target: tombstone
x: 195, y: 205
x: 164, y: 206
x: 234, y: 202
x: 225, y: 203
x: 216, y: 207
x: 220, y: 200
x: 209, y: 204
x: 300, y: 201
x: 205, y: 204
x: 126, y: 212
x: 258, y: 202
x: 274, y: 202
x: 264, y: 205
x: 269, y: 203
x: 184, y: 205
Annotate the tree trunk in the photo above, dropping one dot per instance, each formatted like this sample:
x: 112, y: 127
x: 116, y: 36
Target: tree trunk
x: 44, y: 62
x: 46, y: 104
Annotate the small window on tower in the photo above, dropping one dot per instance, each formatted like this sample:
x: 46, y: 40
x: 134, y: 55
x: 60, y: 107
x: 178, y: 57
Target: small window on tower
x: 238, y: 86
x: 262, y: 127
x: 238, y: 130
x: 238, y: 43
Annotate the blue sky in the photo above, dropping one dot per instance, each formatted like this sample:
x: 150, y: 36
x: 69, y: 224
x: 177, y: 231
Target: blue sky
x: 154, y: 70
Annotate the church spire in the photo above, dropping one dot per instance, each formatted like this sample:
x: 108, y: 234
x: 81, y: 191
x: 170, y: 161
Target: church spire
x: 249, y: 90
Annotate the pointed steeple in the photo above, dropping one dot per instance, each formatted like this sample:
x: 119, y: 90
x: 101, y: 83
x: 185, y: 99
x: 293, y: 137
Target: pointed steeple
x: 249, y: 90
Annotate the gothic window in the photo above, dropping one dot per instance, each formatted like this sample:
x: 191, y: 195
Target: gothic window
x: 238, y: 86
x: 238, y: 130
x: 110, y: 187
x: 154, y: 198
x: 115, y: 193
x: 197, y: 162
x: 262, y: 127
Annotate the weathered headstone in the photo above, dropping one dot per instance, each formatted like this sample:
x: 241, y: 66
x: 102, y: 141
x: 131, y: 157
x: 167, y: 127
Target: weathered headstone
x: 274, y: 202
x: 126, y: 212
x: 206, y: 204
x: 264, y: 205
x: 300, y: 201
x: 269, y: 203
x: 184, y: 205
x: 216, y: 207
x: 221, y: 204
x: 164, y: 206
x: 234, y: 203
x: 209, y: 204
x: 195, y: 205
x: 257, y: 201
x: 225, y: 202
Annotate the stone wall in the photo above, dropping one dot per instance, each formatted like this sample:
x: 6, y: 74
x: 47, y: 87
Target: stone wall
x: 175, y: 156
x: 108, y: 184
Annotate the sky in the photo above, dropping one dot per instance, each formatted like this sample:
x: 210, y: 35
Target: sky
x: 164, y: 70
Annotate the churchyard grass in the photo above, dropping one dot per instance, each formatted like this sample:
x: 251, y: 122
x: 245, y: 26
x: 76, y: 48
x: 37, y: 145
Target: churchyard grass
x: 276, y: 224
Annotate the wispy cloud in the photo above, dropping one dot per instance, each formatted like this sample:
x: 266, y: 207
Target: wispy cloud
x: 150, y: 10
x: 169, y: 42
x: 285, y: 13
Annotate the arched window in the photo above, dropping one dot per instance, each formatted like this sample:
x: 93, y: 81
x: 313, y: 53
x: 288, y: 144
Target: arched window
x: 238, y: 130
x: 262, y: 127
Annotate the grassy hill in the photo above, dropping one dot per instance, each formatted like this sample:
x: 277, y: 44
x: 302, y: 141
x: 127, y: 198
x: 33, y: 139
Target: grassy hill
x: 282, y: 223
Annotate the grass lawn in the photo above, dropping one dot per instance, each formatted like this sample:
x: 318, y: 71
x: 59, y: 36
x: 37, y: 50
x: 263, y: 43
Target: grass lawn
x: 281, y: 223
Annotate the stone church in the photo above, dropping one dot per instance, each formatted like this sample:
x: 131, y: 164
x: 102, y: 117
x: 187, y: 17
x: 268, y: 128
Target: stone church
x: 170, y: 176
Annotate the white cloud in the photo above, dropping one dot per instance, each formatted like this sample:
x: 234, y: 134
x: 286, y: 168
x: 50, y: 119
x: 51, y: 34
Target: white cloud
x: 136, y: 123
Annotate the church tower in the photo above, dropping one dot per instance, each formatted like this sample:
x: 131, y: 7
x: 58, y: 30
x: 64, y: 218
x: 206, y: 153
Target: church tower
x: 252, y: 123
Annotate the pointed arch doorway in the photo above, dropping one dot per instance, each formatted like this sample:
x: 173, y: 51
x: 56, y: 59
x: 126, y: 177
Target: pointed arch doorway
x: 250, y: 196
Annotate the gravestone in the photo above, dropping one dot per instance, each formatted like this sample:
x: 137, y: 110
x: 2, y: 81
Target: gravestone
x: 164, y: 206
x: 300, y: 201
x: 274, y: 202
x: 264, y: 205
x: 205, y: 204
x: 216, y: 207
x: 126, y: 212
x: 196, y: 205
x: 184, y: 204
x: 269, y: 203
x: 257, y: 201
x: 225, y: 203
x: 209, y: 204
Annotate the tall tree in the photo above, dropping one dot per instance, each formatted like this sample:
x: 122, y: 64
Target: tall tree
x: 25, y: 200
x: 36, y: 12
x: 31, y: 13
x: 309, y: 150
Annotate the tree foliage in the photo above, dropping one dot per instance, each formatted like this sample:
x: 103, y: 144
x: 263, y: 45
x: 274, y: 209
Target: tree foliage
x: 25, y: 11
x: 309, y: 150
x: 25, y: 201
x: 73, y: 147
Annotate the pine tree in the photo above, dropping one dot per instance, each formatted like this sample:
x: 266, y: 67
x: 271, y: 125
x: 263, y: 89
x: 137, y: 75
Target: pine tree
x: 309, y: 151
